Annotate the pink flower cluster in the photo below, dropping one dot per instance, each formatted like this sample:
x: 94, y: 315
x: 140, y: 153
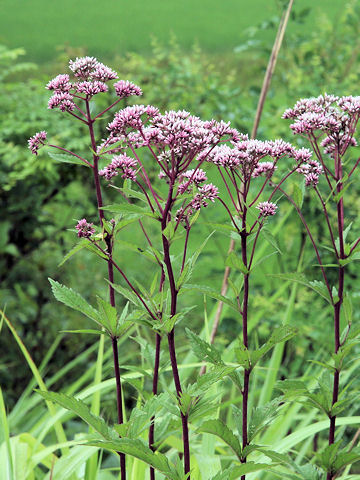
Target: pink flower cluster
x: 123, y: 163
x: 192, y: 177
x: 336, y: 117
x: 311, y: 171
x: 245, y: 156
x: 37, y: 141
x: 267, y: 209
x: 208, y: 192
x: 124, y: 88
x: 178, y: 131
x: 90, y: 79
x: 85, y: 229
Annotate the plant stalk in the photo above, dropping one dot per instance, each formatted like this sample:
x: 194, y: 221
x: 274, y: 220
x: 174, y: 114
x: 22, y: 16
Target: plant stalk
x: 108, y: 241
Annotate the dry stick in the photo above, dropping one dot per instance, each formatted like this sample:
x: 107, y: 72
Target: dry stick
x: 264, y: 91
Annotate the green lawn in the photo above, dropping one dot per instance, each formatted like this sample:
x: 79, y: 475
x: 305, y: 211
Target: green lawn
x: 117, y: 26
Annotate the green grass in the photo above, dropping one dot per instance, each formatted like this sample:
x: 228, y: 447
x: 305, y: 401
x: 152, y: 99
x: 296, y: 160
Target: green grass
x: 113, y: 26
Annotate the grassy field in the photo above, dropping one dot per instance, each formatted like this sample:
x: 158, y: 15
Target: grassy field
x: 114, y: 26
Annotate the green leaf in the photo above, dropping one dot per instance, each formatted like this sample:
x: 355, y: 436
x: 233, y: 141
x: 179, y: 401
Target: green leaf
x: 190, y: 264
x: 248, y: 467
x: 218, y: 428
x: 242, y: 356
x: 130, y: 193
x: 138, y: 449
x: 318, y: 287
x: 213, y: 375
x: 347, y: 309
x: 128, y: 294
x: 81, y: 410
x: 298, y: 194
x: 128, y: 209
x: 168, y: 322
x: 262, y: 416
x: 79, y: 246
x: 269, y: 237
x: 85, y: 330
x: 234, y: 261
x: 280, y: 334
x: 346, y: 458
x: 108, y: 316
x: 74, y: 300
x: 67, y: 158
x: 211, y: 293
x: 203, y: 350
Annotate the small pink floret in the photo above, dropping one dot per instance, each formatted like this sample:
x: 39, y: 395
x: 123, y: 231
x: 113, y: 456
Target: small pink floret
x: 85, y: 229
x: 267, y: 209
x: 37, y: 141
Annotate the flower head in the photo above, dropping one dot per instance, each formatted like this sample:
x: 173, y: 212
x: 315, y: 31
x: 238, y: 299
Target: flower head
x: 61, y: 83
x: 37, y: 141
x: 267, y: 209
x: 85, y: 229
x: 124, y: 88
x: 125, y: 164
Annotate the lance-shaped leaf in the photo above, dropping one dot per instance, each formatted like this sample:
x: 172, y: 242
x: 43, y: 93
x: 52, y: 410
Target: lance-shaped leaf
x: 74, y: 300
x: 262, y: 416
x: 203, y: 350
x: 211, y: 293
x: 280, y: 334
x: 138, y: 449
x: 81, y: 410
x: 318, y: 287
x: 67, y: 158
x: 190, y: 264
x: 218, y: 428
x: 129, y: 210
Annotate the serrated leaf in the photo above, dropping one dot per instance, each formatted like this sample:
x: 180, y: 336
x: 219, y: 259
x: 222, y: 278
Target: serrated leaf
x: 204, y: 382
x: 248, y: 467
x: 348, y: 308
x: 318, y: 287
x: 234, y: 261
x: 346, y: 458
x: 108, y: 315
x: 138, y: 449
x: 203, y: 350
x: 218, y: 428
x: 79, y: 246
x: 211, y: 293
x: 128, y: 209
x: 261, y: 417
x: 243, y: 356
x: 130, y: 193
x: 279, y: 335
x: 298, y: 194
x: 81, y: 410
x: 128, y: 294
x: 74, y: 300
x: 67, y: 158
x: 269, y: 237
x: 190, y: 264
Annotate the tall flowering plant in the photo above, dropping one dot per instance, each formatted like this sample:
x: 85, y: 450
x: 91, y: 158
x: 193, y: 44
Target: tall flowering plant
x: 173, y: 142
x: 248, y: 169
x: 329, y: 124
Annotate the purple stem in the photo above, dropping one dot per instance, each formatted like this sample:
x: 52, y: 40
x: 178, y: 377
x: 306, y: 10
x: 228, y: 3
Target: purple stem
x: 341, y: 277
x: 244, y: 312
x: 171, y: 335
x: 155, y: 382
x: 108, y: 241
